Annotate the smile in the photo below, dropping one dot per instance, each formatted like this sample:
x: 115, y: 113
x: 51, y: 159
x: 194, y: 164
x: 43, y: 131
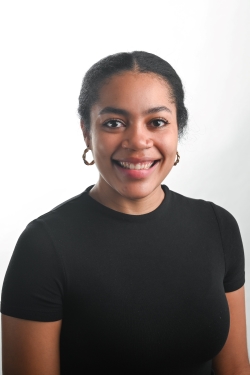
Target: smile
x: 136, y: 166
x: 128, y: 165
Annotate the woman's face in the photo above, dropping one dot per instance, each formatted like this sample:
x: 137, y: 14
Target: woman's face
x: 133, y: 134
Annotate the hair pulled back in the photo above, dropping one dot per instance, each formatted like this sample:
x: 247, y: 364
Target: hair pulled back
x: 138, y: 61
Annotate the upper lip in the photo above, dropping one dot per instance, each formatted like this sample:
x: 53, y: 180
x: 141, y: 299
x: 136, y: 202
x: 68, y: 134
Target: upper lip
x: 136, y: 160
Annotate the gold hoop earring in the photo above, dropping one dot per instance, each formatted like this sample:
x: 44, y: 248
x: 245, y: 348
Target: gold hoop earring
x: 177, y: 159
x: 84, y: 157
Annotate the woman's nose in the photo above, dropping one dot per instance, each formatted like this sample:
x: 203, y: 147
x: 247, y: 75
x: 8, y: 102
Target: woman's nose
x: 137, y: 137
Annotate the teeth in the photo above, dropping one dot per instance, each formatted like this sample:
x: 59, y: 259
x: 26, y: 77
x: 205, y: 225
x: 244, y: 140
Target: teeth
x: 127, y: 165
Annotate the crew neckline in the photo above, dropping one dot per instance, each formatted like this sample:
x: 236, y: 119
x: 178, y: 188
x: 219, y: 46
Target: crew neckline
x: 104, y: 210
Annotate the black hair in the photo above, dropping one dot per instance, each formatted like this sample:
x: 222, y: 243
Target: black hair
x: 138, y: 61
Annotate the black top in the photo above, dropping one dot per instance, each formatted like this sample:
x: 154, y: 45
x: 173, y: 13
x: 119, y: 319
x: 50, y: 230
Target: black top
x: 137, y: 294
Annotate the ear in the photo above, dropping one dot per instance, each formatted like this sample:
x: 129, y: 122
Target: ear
x: 86, y: 134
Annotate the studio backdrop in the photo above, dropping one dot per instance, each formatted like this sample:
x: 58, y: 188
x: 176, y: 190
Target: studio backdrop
x: 46, y: 48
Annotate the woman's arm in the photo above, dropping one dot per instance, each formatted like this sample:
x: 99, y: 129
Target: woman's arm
x: 233, y: 358
x: 30, y: 347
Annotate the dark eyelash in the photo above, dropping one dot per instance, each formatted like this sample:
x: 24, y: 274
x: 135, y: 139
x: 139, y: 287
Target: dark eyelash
x: 112, y: 119
x: 160, y: 119
x: 155, y: 119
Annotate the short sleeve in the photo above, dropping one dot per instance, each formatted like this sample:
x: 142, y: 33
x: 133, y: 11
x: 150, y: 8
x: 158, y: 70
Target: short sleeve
x: 34, y: 284
x: 234, y: 277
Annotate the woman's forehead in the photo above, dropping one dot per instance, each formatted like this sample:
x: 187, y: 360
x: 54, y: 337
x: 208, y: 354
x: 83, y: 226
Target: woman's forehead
x: 131, y: 96
x: 134, y: 87
x: 134, y: 77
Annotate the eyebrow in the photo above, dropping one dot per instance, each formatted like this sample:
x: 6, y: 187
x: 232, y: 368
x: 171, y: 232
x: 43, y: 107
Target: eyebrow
x: 119, y: 111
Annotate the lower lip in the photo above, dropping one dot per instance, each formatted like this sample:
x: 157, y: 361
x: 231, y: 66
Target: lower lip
x: 136, y: 173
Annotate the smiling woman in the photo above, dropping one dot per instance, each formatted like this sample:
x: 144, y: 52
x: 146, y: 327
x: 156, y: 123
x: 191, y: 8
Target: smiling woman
x: 128, y: 277
x: 135, y: 151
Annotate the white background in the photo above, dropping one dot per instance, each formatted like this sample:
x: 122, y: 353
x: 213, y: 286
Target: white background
x: 47, y: 46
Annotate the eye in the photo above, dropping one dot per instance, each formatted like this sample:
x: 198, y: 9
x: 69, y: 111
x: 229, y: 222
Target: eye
x: 113, y: 123
x: 159, y: 122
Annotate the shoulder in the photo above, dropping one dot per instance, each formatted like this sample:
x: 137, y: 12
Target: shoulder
x: 213, y: 222
x: 200, y: 213
x: 201, y: 206
x: 68, y: 211
x: 42, y: 234
x: 69, y: 207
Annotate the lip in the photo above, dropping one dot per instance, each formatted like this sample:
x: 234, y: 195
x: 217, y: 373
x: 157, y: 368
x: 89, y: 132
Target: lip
x: 135, y: 174
x: 137, y: 160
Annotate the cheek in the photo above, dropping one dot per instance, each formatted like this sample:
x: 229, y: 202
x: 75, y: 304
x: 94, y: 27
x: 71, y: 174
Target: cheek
x: 168, y: 145
x: 102, y: 147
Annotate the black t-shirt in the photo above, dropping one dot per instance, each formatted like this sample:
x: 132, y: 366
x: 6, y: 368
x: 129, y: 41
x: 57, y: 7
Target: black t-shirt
x: 137, y: 294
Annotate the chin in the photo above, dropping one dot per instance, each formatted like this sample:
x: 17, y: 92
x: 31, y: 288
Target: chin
x: 136, y: 191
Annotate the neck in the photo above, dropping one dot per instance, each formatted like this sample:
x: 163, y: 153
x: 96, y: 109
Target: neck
x: 107, y: 196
